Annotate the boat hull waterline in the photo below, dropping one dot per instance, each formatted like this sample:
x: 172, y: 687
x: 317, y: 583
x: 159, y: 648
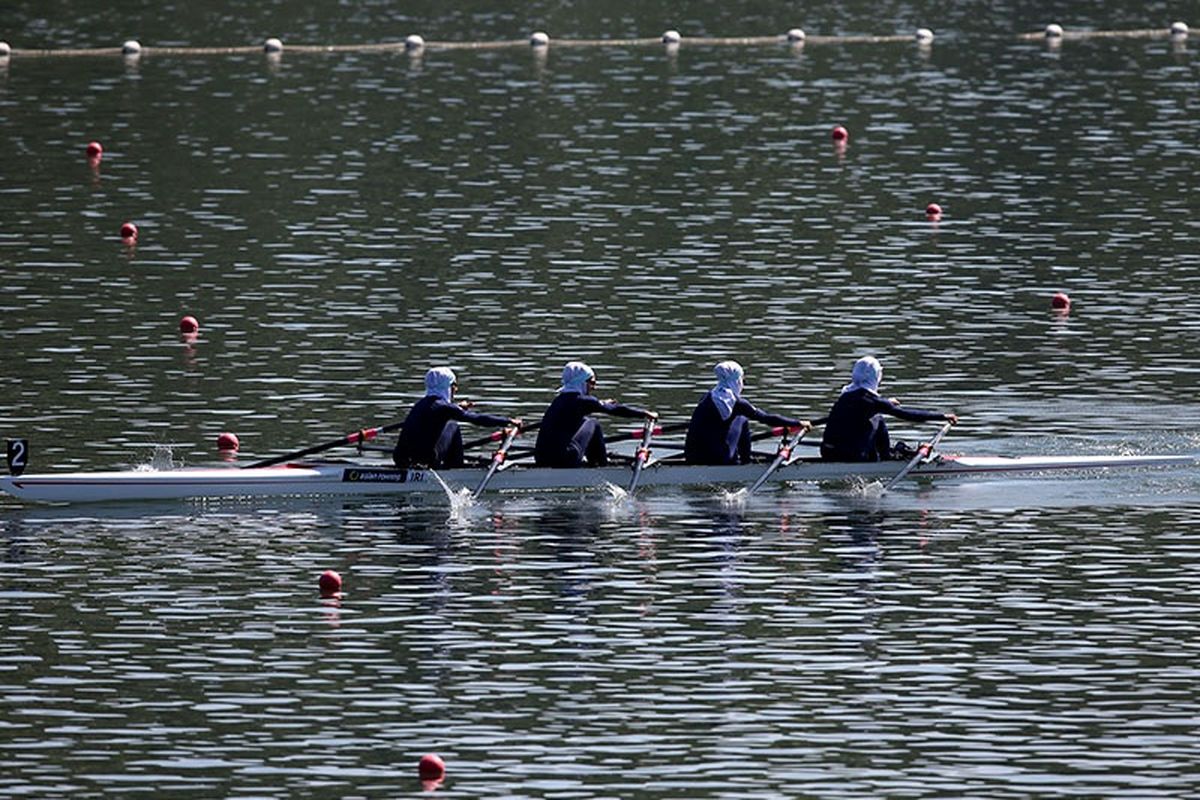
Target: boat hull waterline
x: 335, y: 478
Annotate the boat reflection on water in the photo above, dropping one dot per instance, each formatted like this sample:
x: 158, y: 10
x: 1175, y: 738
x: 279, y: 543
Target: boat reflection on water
x: 856, y: 538
x: 18, y: 544
x: 570, y: 536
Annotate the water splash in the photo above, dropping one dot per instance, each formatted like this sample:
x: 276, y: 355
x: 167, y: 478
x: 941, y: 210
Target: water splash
x: 859, y: 486
x: 867, y: 488
x: 736, y: 499
x: 615, y: 493
x: 619, y: 502
x: 162, y: 459
x: 460, y: 499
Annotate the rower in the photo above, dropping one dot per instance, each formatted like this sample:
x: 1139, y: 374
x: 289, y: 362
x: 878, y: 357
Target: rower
x: 568, y: 436
x: 719, y: 431
x: 855, y: 429
x: 431, y: 436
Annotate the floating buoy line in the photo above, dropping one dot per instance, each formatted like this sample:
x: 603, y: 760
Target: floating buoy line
x: 1177, y: 31
x: 796, y: 37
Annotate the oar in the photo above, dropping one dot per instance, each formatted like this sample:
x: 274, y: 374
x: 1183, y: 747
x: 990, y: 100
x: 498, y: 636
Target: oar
x: 771, y: 432
x: 922, y: 453
x: 350, y: 438
x: 674, y: 427
x: 497, y: 459
x: 784, y: 453
x: 528, y: 450
x: 642, y: 454
x: 496, y: 436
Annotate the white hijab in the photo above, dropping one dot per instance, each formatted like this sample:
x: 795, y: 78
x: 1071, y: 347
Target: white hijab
x: 867, y: 374
x: 438, y: 382
x: 575, y: 376
x: 729, y: 387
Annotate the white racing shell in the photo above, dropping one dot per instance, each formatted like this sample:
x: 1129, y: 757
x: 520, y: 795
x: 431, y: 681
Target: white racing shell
x: 334, y: 478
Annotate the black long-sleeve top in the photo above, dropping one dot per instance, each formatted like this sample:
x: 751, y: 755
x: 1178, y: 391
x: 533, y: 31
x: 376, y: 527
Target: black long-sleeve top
x: 850, y: 431
x: 707, y: 440
x: 563, y: 418
x: 423, y: 427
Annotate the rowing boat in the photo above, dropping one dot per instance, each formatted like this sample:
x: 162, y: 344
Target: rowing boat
x: 336, y: 478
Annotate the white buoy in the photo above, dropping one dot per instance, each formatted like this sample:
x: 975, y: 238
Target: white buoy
x: 671, y: 37
x: 1054, y: 31
x: 796, y: 35
x: 131, y: 47
x: 539, y: 39
x: 414, y: 41
x: 273, y: 45
x: 4, y: 49
x: 1179, y: 30
x: 924, y: 35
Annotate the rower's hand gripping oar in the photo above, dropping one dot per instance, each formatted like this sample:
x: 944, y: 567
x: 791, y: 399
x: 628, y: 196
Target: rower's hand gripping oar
x: 497, y: 459
x: 358, y: 437
x: 642, y: 455
x: 783, y: 454
x: 923, y: 454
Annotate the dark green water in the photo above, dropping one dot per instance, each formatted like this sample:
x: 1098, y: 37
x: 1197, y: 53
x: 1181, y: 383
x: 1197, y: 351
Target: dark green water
x: 338, y: 223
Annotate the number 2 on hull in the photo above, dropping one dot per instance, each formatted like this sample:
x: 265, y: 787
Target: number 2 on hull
x: 18, y: 456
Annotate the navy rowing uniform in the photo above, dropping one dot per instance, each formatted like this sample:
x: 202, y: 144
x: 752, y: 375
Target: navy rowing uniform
x: 431, y: 437
x: 856, y: 431
x: 569, y: 438
x: 712, y: 440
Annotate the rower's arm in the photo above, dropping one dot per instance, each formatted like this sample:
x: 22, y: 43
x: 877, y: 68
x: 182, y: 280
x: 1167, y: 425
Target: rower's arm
x: 747, y: 409
x: 619, y: 409
x: 475, y: 418
x: 911, y: 414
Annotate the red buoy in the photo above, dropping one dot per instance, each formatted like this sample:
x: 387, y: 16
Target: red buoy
x: 189, y: 324
x: 1060, y: 302
x: 129, y: 231
x: 330, y: 583
x: 933, y: 211
x: 228, y: 442
x: 94, y: 150
x: 431, y: 767
x: 840, y: 134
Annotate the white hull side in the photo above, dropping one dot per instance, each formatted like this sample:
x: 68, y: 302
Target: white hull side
x: 344, y: 478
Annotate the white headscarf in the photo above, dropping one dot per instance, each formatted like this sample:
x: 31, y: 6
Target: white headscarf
x: 867, y: 374
x: 575, y: 376
x: 438, y: 382
x: 729, y: 387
